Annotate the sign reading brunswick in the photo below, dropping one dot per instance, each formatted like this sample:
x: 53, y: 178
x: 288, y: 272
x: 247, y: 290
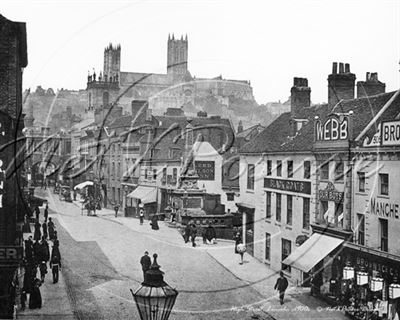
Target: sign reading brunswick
x: 288, y: 185
x: 205, y: 170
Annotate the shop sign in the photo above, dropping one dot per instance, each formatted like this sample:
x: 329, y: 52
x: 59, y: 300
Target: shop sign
x: 330, y: 194
x: 369, y: 264
x: 205, y: 170
x: 390, y: 133
x: 332, y: 129
x: 10, y: 254
x: 288, y: 185
x: 384, y: 209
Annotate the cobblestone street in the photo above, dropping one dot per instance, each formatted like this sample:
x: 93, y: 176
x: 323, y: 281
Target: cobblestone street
x: 101, y: 263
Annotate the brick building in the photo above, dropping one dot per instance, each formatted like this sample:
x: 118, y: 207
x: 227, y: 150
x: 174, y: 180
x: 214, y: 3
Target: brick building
x: 13, y: 58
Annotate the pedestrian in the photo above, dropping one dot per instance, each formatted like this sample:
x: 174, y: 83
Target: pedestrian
x: 43, y: 270
x: 29, y: 249
x: 141, y: 216
x: 37, y: 235
x: 50, y: 227
x: 23, y: 299
x: 146, y: 263
x: 37, y: 252
x: 210, y: 234
x: 154, y: 222
x: 193, y: 233
x: 45, y: 251
x: 75, y: 193
x: 186, y: 234
x: 241, y: 249
x: 55, y: 262
x: 35, y: 299
x: 26, y: 228
x: 37, y: 212
x: 203, y: 234
x: 116, y: 208
x: 46, y: 212
x: 281, y: 285
x: 44, y: 228
x: 238, y: 239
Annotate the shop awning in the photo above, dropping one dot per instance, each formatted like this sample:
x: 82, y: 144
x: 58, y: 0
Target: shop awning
x: 312, y: 251
x: 246, y: 207
x: 145, y: 194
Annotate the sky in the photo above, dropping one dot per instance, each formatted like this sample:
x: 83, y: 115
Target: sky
x: 266, y: 42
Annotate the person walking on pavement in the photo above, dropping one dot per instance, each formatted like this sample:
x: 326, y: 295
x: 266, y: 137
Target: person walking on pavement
x: 193, y: 233
x: 55, y: 262
x: 37, y: 235
x: 50, y: 227
x: 154, y: 222
x: 46, y: 212
x: 186, y: 234
x: 37, y: 252
x: 45, y: 251
x: 37, y: 212
x: 116, y: 208
x: 145, y: 261
x: 35, y: 299
x: 241, y: 249
x: 141, y: 216
x: 43, y: 270
x: 44, y: 228
x: 281, y: 285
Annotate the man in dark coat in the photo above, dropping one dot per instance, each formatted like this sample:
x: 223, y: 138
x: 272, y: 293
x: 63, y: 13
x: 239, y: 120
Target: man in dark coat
x: 50, y: 227
x: 193, y: 233
x: 186, y: 235
x: 37, y: 212
x: 281, y: 285
x: 154, y: 222
x: 210, y: 234
x: 145, y: 262
x: 44, y: 228
x: 37, y: 235
x: 46, y: 213
x: 37, y: 252
x: 55, y: 262
x: 35, y: 299
x: 29, y: 249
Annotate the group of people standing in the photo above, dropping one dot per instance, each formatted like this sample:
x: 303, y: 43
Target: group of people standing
x: 37, y: 257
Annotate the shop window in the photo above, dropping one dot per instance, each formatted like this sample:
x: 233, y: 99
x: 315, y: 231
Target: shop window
x: 267, y: 246
x: 307, y: 169
x: 290, y: 169
x: 250, y: 176
x: 268, y: 207
x: 339, y: 214
x: 384, y: 184
x: 361, y: 229
x: 361, y: 181
x: 279, y: 168
x: 289, y: 215
x: 306, y: 213
x: 278, y: 207
x: 230, y: 196
x: 339, y: 172
x: 324, y: 170
x: 269, y: 167
x: 286, y: 251
x: 384, y: 234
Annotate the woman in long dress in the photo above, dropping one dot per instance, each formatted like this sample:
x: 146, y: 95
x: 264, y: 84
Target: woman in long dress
x: 35, y: 299
x: 37, y: 234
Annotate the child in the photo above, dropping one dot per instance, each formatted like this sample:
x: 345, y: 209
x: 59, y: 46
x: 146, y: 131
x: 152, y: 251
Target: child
x: 43, y: 270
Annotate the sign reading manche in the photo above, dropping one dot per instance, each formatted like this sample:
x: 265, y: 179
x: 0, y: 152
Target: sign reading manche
x: 332, y: 129
x: 288, y: 185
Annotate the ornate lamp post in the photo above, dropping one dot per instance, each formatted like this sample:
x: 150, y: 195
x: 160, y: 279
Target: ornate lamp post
x: 155, y: 298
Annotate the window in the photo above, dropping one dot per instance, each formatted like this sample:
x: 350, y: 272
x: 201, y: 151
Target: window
x: 339, y: 214
x: 174, y: 174
x: 268, y: 208
x: 113, y: 194
x: 361, y: 229
x: 113, y: 169
x: 286, y: 251
x: 339, y: 171
x: 289, y: 212
x: 145, y: 173
x: 361, y: 181
x: 279, y: 168
x: 119, y: 169
x: 278, y: 207
x: 384, y: 183
x: 384, y: 234
x: 154, y: 174
x: 267, y: 246
x: 230, y: 196
x: 269, y: 167
x: 306, y: 213
x: 307, y: 169
x: 290, y: 169
x: 324, y: 170
x: 250, y: 176
x: 119, y: 195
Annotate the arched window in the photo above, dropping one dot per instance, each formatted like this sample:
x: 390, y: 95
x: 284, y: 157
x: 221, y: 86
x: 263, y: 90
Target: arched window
x: 105, y: 98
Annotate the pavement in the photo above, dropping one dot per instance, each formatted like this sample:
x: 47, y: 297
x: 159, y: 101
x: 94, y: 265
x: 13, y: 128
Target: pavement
x: 252, y: 274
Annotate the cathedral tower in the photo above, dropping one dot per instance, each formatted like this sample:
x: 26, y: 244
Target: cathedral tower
x: 177, y: 55
x: 112, y: 61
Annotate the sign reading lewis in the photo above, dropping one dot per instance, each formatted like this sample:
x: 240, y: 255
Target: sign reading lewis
x: 205, y: 170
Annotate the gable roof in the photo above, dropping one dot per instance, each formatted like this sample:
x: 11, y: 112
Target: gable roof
x: 276, y: 137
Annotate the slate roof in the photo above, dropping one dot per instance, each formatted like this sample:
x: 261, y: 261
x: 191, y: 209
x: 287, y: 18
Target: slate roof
x: 277, y: 136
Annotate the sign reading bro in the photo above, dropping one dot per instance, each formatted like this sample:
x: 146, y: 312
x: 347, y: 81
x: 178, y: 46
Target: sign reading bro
x: 10, y: 253
x: 390, y: 133
x: 332, y: 129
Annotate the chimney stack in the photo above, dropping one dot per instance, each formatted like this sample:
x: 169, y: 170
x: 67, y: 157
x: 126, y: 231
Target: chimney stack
x: 300, y: 97
x: 371, y: 86
x: 340, y: 85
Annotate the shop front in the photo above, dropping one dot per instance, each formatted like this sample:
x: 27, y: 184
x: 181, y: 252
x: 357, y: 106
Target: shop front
x: 143, y: 197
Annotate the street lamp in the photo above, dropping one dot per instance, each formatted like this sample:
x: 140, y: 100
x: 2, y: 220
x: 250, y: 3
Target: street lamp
x: 155, y: 298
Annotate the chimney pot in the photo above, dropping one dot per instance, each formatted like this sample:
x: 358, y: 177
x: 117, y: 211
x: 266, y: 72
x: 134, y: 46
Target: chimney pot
x: 341, y: 67
x: 334, y: 68
x: 374, y: 76
x: 367, y: 78
x: 347, y: 68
